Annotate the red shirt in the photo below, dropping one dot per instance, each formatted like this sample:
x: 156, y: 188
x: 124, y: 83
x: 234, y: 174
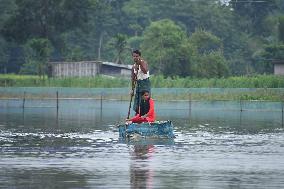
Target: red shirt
x: 151, y: 115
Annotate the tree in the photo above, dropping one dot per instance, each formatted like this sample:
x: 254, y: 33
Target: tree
x: 138, y: 14
x: 7, y: 8
x: 45, y: 19
x: 255, y: 12
x: 274, y: 52
x: 120, y: 46
x: 3, y: 55
x: 205, y: 42
x: 166, y: 48
x: 209, y: 61
x: 281, y: 28
x: 211, y: 65
x: 135, y: 42
x: 86, y: 30
x: 37, y: 51
x: 267, y: 56
x: 100, y: 22
x: 106, y: 20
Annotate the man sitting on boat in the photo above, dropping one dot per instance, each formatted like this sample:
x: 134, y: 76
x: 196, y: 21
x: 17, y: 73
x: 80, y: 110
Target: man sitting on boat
x: 146, y: 109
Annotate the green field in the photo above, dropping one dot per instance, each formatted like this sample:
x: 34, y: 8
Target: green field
x: 267, y: 87
x: 258, y: 81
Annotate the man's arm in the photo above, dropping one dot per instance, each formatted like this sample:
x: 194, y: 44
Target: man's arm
x: 134, y: 75
x: 134, y: 117
x: 143, y: 65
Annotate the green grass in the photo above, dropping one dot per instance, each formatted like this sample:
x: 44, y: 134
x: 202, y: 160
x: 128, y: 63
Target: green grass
x: 258, y: 81
x: 261, y: 94
x: 263, y: 83
x: 12, y: 80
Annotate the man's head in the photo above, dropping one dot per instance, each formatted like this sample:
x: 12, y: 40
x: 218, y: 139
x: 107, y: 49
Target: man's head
x: 136, y: 55
x: 136, y: 52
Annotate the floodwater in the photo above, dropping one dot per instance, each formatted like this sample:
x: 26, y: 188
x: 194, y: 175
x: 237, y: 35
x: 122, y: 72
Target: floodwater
x: 78, y: 147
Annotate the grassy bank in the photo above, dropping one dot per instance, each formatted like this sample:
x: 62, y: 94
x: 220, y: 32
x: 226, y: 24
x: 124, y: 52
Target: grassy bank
x: 11, y: 80
x: 266, y: 87
x: 258, y: 81
x: 199, y: 94
x: 260, y: 94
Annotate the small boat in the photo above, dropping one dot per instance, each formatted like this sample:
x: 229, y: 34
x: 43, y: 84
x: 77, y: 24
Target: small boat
x: 154, y: 129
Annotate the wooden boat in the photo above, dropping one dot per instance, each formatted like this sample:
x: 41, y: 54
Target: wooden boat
x: 154, y: 129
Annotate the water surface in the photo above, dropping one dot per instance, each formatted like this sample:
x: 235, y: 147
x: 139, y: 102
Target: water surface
x: 78, y: 147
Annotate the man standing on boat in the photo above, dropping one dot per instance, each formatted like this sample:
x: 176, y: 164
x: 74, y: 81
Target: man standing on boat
x: 140, y: 75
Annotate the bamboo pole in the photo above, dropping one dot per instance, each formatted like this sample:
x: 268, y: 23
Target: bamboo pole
x: 282, y: 103
x: 101, y: 101
x: 24, y: 100
x: 57, y: 101
x: 189, y: 104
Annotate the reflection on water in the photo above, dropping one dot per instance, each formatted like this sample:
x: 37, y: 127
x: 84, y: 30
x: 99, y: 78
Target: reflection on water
x: 141, y: 174
x: 78, y: 147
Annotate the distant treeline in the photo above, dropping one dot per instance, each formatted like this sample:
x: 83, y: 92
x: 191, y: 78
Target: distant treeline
x: 200, y: 39
x: 258, y: 81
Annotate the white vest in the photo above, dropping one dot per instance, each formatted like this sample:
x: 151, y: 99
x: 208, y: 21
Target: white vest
x: 140, y: 74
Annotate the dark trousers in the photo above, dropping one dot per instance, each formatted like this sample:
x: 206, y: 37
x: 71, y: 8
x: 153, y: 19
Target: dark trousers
x: 141, y: 85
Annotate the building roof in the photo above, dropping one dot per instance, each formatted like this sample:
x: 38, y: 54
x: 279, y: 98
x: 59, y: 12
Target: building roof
x: 118, y: 65
x: 278, y: 61
x: 126, y: 66
x: 65, y: 62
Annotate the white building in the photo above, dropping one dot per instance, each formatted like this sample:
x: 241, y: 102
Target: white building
x: 278, y: 67
x: 88, y: 68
